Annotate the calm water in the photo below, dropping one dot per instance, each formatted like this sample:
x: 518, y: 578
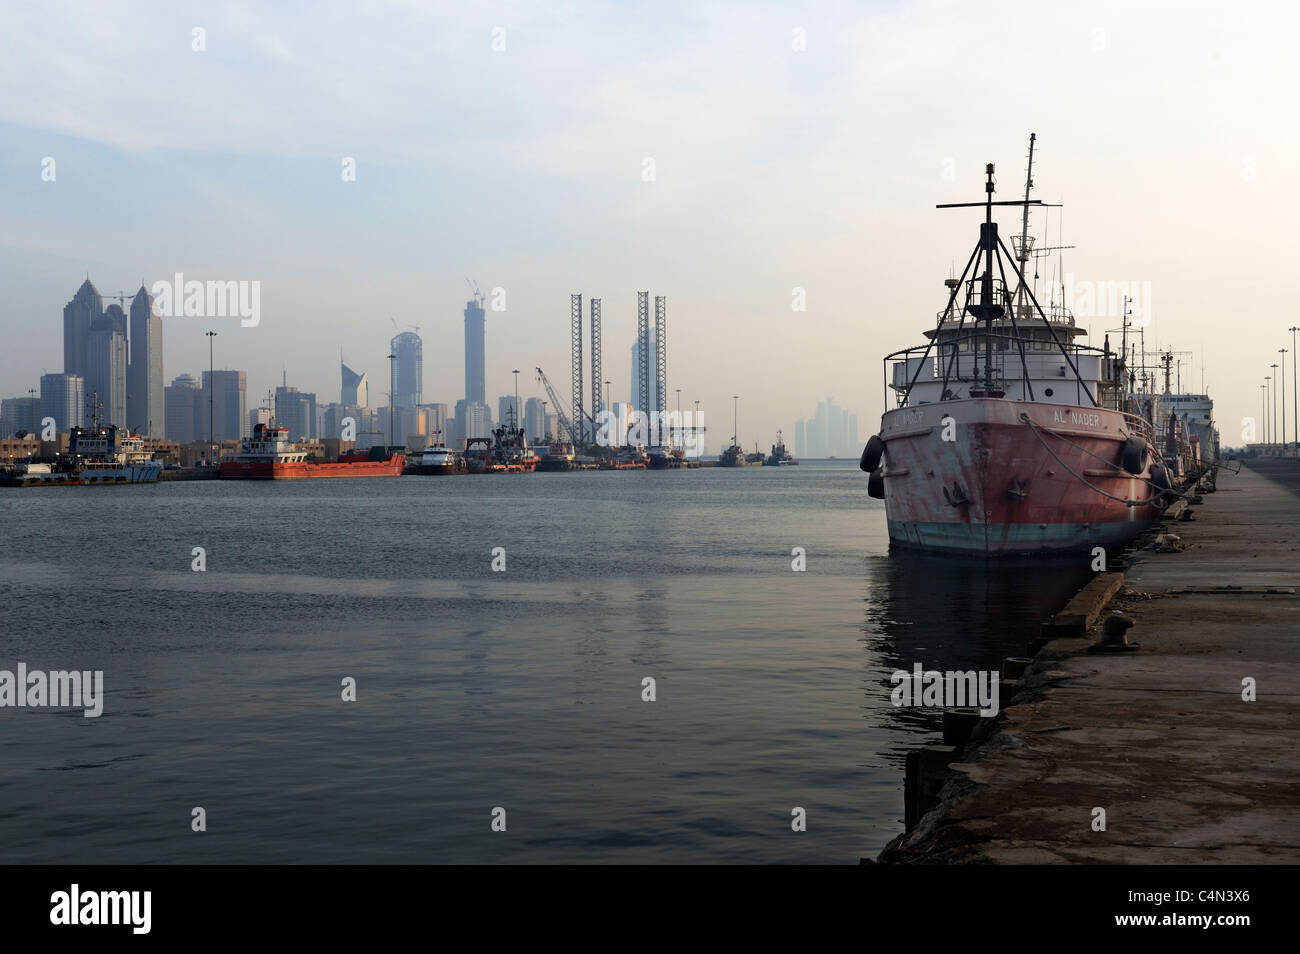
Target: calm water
x: 478, y: 689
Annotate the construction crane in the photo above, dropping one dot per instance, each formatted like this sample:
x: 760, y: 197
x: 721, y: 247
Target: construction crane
x: 566, y: 423
x: 473, y: 287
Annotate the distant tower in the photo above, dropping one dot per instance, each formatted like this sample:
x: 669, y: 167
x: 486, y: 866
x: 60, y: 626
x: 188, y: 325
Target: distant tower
x: 475, y: 352
x: 106, y: 366
x: 355, y: 391
x: 78, y: 315
x: 408, y: 374
x: 145, y: 394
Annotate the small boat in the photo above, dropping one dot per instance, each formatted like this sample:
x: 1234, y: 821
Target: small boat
x: 780, y: 456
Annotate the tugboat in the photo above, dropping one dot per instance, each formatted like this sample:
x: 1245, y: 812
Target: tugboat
x: 438, y: 460
x: 779, y: 457
x: 1009, y: 437
x: 97, y: 455
x: 270, y: 455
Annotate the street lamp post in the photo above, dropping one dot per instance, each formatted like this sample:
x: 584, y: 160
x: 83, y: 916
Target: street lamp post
x: 212, y: 391
x: 1263, y: 403
x: 392, y: 394
x: 1273, y: 392
x: 1295, y: 391
x: 1282, y: 352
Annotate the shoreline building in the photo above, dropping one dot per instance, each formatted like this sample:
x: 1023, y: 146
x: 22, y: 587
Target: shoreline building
x: 63, y: 397
x: 183, y: 400
x: 20, y: 414
x: 296, y: 410
x: 475, y: 352
x: 145, y: 389
x: 78, y: 316
x: 355, y: 391
x: 105, y: 369
x: 224, y: 400
x: 408, y: 370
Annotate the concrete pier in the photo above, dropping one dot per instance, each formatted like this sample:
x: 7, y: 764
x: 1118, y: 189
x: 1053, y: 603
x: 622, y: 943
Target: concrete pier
x: 1158, y: 738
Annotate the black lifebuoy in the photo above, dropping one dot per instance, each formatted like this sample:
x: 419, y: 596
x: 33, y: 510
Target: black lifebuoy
x: 876, y: 485
x: 1134, y: 455
x: 872, y: 453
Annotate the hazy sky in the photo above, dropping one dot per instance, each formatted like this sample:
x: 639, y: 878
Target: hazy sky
x: 1168, y: 130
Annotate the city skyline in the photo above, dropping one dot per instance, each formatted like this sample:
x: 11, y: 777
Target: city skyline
x: 781, y: 183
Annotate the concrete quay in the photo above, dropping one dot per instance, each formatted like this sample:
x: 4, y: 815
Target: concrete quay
x: 1159, y: 738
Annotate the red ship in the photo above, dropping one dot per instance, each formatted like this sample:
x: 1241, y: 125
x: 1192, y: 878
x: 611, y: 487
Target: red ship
x: 1009, y: 437
x: 270, y: 455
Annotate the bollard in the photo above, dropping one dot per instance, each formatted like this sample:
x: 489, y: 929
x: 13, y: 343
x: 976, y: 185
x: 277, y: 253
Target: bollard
x: 958, y: 723
x: 1013, y: 667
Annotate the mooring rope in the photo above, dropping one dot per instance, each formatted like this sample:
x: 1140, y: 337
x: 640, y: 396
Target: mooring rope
x: 1035, y: 428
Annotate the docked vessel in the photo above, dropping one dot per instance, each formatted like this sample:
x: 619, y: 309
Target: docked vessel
x: 438, y: 460
x: 734, y: 456
x: 270, y: 455
x: 1009, y: 436
x: 96, y: 455
x: 780, y: 457
x: 506, y: 452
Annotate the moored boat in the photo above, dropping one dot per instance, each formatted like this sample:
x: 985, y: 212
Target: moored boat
x: 1009, y: 435
x: 270, y: 455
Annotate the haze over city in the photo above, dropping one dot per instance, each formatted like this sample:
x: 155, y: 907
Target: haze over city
x: 793, y: 148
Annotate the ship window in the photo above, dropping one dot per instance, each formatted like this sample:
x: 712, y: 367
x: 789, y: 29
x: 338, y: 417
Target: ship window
x: 1048, y: 392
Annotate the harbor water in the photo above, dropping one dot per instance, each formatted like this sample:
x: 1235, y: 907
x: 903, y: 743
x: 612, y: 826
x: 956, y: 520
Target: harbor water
x: 476, y: 689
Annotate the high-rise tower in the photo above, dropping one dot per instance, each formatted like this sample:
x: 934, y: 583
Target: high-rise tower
x: 78, y: 315
x: 145, y: 395
x: 475, y: 352
x: 408, y: 373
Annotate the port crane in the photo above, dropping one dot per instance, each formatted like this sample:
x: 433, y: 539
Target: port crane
x: 566, y: 422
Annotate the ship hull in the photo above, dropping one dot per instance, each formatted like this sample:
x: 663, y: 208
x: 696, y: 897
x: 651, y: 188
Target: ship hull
x: 306, y: 470
x: 438, y: 470
x: 992, y: 484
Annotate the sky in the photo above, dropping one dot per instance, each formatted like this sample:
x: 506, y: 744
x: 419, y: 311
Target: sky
x: 795, y: 146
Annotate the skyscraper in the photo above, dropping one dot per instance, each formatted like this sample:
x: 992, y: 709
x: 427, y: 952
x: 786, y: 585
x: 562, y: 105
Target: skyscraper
x: 63, y: 398
x: 105, y: 369
x: 186, y: 404
x: 408, y: 370
x: 296, y: 410
x: 145, y: 394
x: 355, y: 391
x: 78, y: 315
x: 506, y: 412
x: 20, y: 414
x: 534, y: 419
x: 227, y: 392
x: 475, y: 353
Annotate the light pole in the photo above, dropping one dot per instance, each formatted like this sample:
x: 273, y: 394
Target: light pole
x: 392, y: 394
x: 1273, y: 378
x: 212, y: 391
x: 1282, y: 352
x: 1295, y: 394
x: 735, y: 421
x: 1263, y: 403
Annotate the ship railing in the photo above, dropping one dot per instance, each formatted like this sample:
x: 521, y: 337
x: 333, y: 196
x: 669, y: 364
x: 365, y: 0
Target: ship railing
x: 959, y: 358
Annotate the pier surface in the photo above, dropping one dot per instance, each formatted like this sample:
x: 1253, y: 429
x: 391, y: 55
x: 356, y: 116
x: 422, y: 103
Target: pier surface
x: 1160, y: 738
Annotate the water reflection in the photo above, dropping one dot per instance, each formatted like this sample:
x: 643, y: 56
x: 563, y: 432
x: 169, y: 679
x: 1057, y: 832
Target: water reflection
x: 948, y: 612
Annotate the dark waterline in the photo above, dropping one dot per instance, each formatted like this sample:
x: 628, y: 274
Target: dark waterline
x: 478, y: 689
